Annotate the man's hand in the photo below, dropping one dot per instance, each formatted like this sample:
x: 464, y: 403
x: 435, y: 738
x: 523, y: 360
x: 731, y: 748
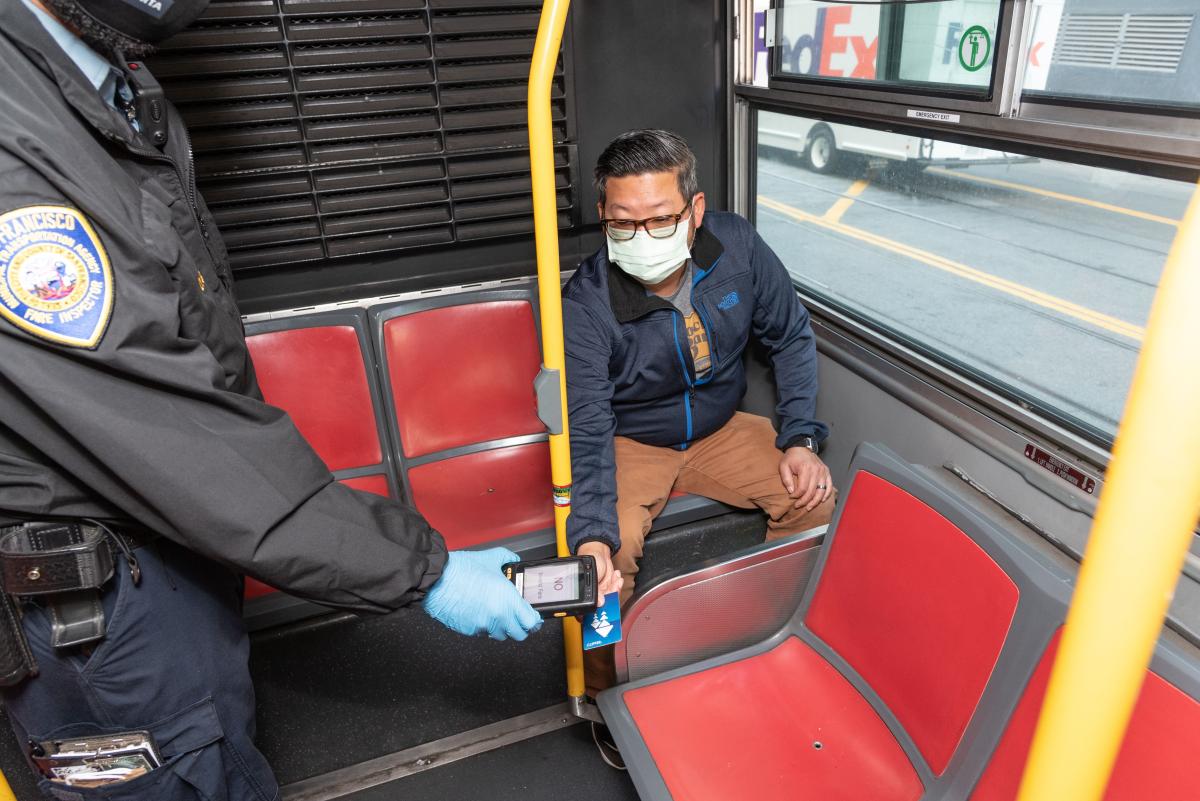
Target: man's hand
x: 805, y: 477
x: 607, y: 578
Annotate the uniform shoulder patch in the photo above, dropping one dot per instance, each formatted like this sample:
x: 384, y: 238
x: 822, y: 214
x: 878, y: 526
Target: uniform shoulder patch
x: 55, y: 278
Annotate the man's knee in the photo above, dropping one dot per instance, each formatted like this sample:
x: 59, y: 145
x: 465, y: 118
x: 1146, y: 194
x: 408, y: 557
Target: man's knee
x: 793, y: 520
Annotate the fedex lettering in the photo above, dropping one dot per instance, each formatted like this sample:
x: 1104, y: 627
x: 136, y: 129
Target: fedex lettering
x: 835, y: 48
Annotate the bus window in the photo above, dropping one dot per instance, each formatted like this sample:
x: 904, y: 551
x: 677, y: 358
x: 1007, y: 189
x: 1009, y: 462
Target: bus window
x: 1077, y: 48
x: 1033, y: 276
x: 948, y: 44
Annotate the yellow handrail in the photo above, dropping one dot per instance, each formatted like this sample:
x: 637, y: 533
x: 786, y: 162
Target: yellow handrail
x: 6, y: 793
x: 1140, y: 538
x: 545, y: 222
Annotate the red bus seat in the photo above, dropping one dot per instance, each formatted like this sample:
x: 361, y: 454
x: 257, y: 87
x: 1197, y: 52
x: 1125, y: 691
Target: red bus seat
x: 459, y: 378
x: 1156, y: 761
x: 917, y: 608
x: 317, y: 368
x: 873, y: 687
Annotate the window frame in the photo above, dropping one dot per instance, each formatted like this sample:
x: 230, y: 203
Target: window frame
x: 997, y: 99
x: 1157, y: 135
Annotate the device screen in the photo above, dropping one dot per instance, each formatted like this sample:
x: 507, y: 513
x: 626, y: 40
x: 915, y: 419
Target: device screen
x: 551, y: 583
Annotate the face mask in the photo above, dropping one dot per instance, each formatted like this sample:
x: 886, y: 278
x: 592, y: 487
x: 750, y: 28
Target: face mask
x: 651, y: 260
x: 130, y: 26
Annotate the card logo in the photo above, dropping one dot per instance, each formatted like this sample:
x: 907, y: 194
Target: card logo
x: 603, y: 626
x: 55, y: 278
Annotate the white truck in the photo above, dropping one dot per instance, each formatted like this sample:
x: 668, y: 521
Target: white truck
x: 822, y: 144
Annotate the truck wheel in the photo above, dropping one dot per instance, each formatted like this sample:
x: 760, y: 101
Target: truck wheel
x: 821, y: 155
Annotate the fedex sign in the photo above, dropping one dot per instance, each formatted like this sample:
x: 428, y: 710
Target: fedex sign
x: 834, y: 41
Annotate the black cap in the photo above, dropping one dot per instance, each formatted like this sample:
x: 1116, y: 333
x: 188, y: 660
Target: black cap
x: 149, y: 21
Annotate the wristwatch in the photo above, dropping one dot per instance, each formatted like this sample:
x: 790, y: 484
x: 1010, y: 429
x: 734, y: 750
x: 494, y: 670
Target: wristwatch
x: 808, y: 442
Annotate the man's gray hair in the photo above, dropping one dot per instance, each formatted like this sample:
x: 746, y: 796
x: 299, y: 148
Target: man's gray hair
x: 647, y: 150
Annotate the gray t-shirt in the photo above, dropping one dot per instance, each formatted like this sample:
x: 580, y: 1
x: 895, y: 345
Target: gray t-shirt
x: 682, y: 299
x: 697, y: 336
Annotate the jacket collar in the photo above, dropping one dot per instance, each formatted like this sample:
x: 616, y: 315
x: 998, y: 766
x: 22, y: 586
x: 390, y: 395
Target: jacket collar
x: 628, y: 297
x: 25, y: 32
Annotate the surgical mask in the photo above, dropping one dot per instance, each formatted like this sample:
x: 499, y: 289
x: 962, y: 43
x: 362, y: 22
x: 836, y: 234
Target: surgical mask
x: 651, y: 260
x: 131, y: 27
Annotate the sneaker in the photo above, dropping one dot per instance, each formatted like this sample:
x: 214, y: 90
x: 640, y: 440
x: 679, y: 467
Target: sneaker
x: 607, y: 746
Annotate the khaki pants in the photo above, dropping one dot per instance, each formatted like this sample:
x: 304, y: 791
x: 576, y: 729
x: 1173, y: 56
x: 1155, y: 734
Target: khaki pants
x: 737, y: 465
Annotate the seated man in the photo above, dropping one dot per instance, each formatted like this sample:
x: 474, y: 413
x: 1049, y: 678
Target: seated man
x: 655, y: 326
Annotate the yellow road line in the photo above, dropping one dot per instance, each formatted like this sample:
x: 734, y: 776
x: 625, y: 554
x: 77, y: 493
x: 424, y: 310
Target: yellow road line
x: 846, y: 200
x: 1043, y: 299
x: 1083, y: 201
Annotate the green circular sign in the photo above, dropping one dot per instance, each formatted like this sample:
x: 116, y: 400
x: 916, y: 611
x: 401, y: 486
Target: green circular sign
x: 974, y: 48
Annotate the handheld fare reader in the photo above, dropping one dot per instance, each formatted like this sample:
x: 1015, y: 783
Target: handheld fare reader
x: 556, y: 587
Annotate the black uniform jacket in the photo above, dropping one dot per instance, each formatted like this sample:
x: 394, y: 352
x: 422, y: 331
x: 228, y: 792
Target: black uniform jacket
x: 126, y: 390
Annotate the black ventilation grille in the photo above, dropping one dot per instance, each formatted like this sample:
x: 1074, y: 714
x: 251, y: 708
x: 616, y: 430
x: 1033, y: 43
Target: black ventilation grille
x: 331, y: 128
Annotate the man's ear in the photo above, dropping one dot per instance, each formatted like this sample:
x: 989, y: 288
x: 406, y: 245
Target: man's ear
x: 600, y: 210
x: 698, y: 208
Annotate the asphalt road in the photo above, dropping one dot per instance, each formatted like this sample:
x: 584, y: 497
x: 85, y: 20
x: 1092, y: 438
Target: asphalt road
x: 1040, y: 274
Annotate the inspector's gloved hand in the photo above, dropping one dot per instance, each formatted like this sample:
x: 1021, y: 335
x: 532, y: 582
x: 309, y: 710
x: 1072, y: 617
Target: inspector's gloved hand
x: 473, y: 596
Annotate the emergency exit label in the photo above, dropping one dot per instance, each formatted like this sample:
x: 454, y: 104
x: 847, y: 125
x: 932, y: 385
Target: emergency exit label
x: 974, y: 48
x: 932, y: 116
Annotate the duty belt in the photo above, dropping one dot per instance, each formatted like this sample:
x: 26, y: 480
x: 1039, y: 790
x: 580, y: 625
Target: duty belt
x: 66, y: 563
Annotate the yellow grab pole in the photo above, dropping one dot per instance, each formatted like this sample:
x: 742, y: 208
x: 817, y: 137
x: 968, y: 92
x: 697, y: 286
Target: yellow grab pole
x: 545, y: 222
x: 1140, y: 538
x: 6, y: 793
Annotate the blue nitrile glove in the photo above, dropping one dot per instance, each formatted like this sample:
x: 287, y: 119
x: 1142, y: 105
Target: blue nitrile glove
x: 473, y: 596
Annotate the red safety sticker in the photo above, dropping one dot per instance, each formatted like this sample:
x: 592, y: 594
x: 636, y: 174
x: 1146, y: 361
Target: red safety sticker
x: 1061, y: 469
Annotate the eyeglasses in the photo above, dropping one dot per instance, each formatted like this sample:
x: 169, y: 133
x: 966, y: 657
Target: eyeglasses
x: 661, y: 227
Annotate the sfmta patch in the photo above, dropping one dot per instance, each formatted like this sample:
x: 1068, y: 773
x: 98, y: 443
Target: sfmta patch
x: 55, y: 278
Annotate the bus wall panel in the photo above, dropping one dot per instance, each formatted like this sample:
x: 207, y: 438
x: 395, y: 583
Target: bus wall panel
x: 336, y: 146
x: 651, y: 65
x: 861, y: 402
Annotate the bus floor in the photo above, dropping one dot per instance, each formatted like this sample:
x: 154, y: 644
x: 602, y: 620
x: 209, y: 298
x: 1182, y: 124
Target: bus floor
x: 559, y: 764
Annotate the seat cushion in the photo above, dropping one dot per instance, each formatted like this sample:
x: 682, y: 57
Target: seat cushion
x: 486, y: 496
x: 782, y: 725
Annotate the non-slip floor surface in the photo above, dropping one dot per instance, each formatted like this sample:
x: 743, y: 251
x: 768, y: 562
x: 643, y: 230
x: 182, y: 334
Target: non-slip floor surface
x: 560, y: 765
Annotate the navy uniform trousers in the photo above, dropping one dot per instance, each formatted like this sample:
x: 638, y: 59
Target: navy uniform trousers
x: 174, y: 662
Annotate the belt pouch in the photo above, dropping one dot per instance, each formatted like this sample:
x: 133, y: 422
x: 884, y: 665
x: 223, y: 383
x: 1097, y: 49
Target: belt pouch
x: 69, y: 562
